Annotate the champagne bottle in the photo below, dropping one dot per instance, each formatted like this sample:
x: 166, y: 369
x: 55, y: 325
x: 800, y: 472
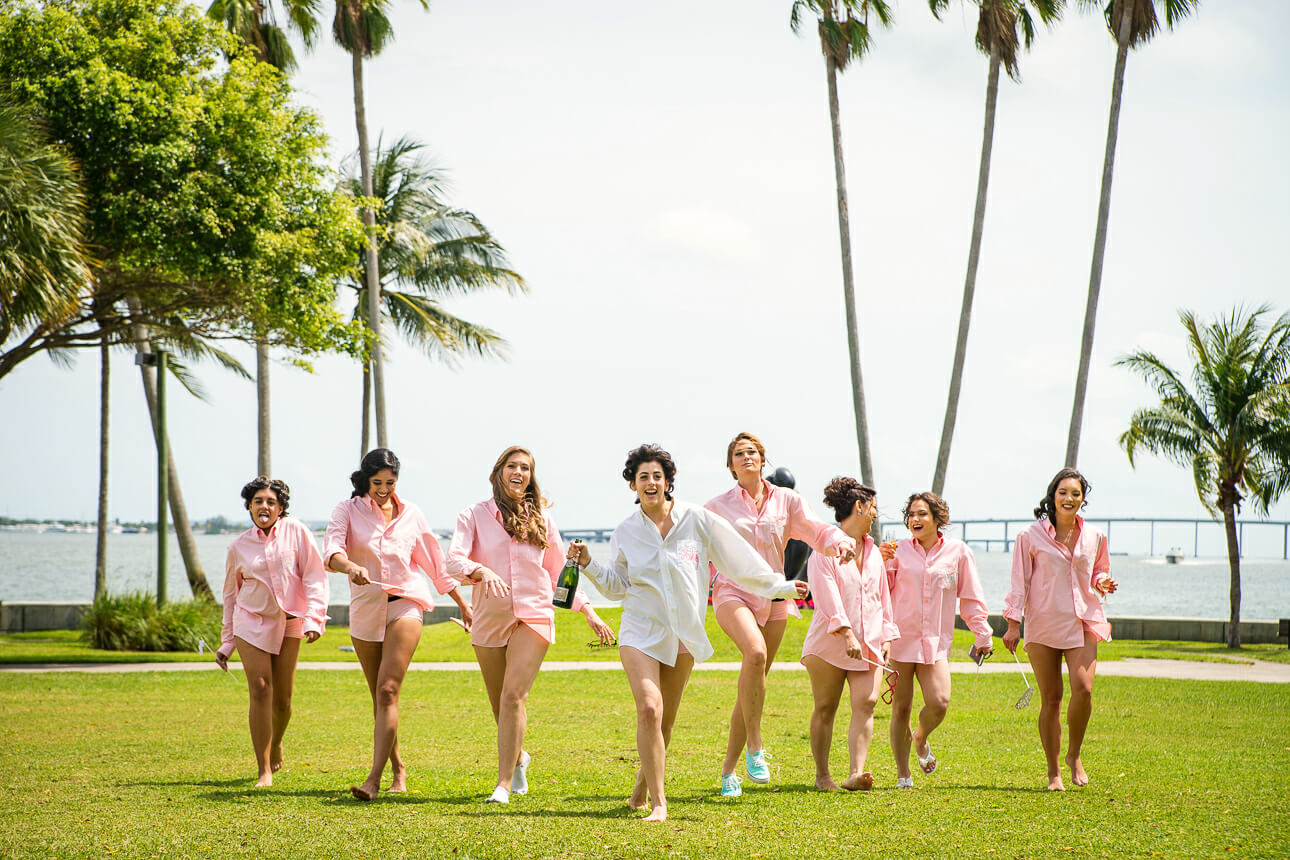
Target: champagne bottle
x: 566, y: 587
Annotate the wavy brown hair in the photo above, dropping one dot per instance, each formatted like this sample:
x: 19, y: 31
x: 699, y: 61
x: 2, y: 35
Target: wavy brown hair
x: 939, y: 510
x: 522, y: 518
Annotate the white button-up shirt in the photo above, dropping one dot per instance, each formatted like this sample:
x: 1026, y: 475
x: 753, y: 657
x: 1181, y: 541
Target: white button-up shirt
x: 663, y: 582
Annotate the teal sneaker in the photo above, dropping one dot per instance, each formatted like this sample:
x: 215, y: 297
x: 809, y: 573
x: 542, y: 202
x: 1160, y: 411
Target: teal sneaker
x: 730, y: 786
x: 755, y: 762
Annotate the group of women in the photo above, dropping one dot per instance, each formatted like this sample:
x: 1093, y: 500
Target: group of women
x: 881, y: 610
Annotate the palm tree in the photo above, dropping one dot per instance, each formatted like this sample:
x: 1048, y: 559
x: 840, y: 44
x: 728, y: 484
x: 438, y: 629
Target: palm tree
x: 431, y: 251
x: 255, y: 23
x: 843, y: 26
x: 1232, y: 427
x: 996, y: 37
x: 1133, y: 23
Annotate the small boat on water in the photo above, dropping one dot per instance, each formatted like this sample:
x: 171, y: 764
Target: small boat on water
x: 1175, y: 555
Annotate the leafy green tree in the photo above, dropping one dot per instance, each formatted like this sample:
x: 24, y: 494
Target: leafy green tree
x: 997, y: 38
x: 845, y: 36
x: 1231, y: 427
x: 204, y: 186
x: 1132, y: 23
x: 428, y: 251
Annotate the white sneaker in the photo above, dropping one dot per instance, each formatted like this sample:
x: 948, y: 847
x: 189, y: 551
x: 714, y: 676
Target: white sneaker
x: 520, y: 778
x: 499, y: 795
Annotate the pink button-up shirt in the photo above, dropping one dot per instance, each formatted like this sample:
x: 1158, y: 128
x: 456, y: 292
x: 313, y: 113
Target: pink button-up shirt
x: 267, y: 578
x: 481, y: 540
x: 784, y: 515
x: 1053, y: 587
x: 924, y: 586
x: 851, y: 595
x: 388, y: 552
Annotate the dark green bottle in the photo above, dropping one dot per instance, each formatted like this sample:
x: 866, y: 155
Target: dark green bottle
x: 566, y: 587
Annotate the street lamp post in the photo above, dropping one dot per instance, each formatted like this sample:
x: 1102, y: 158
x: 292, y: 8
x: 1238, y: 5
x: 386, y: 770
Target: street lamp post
x: 158, y: 359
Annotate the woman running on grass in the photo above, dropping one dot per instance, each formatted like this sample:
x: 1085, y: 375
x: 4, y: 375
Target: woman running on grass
x: 385, y: 546
x: 928, y: 573
x: 850, y: 635
x: 767, y: 517
x: 658, y: 567
x: 510, y: 550
x: 1060, y: 567
x: 275, y: 594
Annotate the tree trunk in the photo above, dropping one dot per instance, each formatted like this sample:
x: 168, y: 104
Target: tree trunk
x: 1234, y: 566
x: 969, y: 282
x: 1099, y: 239
x: 178, y: 510
x: 373, y: 271
x: 848, y: 285
x: 100, y: 547
x: 262, y: 405
x: 367, y: 408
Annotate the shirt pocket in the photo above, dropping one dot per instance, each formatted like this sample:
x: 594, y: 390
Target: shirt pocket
x: 686, y: 557
x: 944, y: 576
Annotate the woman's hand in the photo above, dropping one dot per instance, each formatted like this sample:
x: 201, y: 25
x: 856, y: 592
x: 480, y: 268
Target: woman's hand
x: 1013, y: 637
x: 846, y: 552
x: 887, y: 549
x: 312, y: 636
x: 985, y: 650
x: 221, y: 660
x: 467, y: 617
x: 1106, y: 585
x: 603, y: 631
x: 357, y: 574
x: 579, y: 553
x: 854, y: 649
x: 803, y: 588
x: 886, y: 653
x: 493, y: 585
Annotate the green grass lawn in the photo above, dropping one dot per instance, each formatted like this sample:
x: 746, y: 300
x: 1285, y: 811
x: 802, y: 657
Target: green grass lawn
x: 448, y: 642
x: 159, y: 764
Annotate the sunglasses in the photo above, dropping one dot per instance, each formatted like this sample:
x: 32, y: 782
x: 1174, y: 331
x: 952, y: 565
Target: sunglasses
x: 891, y: 676
x: 596, y: 643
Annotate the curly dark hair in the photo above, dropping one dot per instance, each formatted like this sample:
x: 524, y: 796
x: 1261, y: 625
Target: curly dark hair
x: 648, y: 453
x: 842, y: 494
x: 1048, y: 504
x: 280, y: 489
x: 935, y: 504
x: 373, y: 461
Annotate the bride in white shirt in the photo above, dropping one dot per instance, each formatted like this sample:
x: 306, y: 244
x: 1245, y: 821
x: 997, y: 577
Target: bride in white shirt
x: 659, y: 569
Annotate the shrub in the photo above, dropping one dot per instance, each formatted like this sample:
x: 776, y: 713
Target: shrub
x: 134, y: 622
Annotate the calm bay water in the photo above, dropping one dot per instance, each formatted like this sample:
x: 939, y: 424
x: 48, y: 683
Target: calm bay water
x: 60, y: 566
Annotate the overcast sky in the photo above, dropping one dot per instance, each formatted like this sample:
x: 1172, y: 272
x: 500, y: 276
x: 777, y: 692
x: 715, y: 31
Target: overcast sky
x: 661, y: 175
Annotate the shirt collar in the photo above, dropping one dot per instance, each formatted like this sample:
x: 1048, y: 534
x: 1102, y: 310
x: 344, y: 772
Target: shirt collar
x: 1051, y: 527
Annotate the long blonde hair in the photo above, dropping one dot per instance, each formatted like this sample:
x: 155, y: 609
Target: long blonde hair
x: 522, y: 518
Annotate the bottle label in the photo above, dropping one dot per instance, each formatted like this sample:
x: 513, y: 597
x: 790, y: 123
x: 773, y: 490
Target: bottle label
x: 561, y: 594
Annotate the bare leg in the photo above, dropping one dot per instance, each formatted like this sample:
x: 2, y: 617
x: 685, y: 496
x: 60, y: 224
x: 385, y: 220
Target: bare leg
x: 864, y: 695
x: 657, y: 690
x: 284, y: 682
x: 934, y: 679
x: 509, y: 675
x: 902, y: 706
x: 259, y: 682
x: 369, y: 657
x: 1082, y: 663
x: 826, y: 690
x: 1047, y: 665
x: 757, y: 647
x: 401, y: 639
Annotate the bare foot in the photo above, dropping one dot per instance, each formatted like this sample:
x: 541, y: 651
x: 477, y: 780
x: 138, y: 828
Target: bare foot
x: 1055, y: 783
x: 399, y: 784
x: 275, y: 759
x: 364, y: 792
x: 1078, y: 776
x: 639, y: 794
x: 826, y: 783
x: 659, y: 813
x: 858, y: 782
x: 265, y: 780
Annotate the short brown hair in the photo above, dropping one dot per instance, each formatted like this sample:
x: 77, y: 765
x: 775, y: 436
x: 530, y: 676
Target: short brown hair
x: 730, y: 451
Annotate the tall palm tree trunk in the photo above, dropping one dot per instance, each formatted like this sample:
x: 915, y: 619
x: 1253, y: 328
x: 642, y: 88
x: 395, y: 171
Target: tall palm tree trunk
x: 1234, y: 568
x: 178, y: 510
x: 373, y: 272
x: 848, y: 282
x: 969, y: 281
x: 1099, y: 238
x: 367, y: 408
x: 100, y: 547
x: 262, y: 405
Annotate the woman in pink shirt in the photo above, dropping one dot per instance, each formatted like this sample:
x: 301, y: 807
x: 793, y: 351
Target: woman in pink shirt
x: 927, y: 574
x: 275, y: 594
x: 377, y: 539
x: 767, y: 517
x: 511, y: 550
x: 850, y: 635
x: 1060, y: 569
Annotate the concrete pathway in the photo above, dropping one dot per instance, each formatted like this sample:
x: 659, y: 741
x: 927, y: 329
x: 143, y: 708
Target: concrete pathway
x: 1189, y: 670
